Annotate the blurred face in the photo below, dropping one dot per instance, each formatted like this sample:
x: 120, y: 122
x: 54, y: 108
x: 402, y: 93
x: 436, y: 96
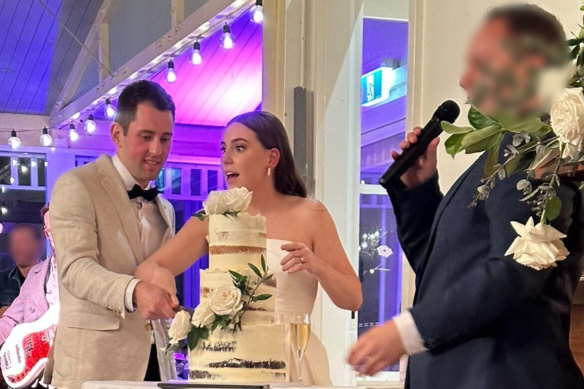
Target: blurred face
x: 144, y: 149
x: 245, y: 161
x: 24, y: 249
x: 498, y: 75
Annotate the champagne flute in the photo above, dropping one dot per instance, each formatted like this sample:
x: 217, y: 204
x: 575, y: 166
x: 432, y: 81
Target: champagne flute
x: 300, y: 334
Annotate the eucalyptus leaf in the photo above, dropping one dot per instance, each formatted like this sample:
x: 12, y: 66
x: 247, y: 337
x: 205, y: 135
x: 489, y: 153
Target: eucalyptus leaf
x: 264, y: 263
x: 530, y: 196
x: 255, y: 269
x: 553, y: 208
x: 478, y: 120
x: 454, y: 144
x: 540, y: 157
x: 450, y: 128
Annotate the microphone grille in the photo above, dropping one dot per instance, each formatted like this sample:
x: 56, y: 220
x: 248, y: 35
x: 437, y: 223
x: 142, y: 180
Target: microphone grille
x: 447, y: 111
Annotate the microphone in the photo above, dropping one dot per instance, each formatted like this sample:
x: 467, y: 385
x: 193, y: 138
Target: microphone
x: 447, y: 111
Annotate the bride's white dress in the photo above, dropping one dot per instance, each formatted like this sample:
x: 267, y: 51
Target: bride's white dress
x: 296, y: 294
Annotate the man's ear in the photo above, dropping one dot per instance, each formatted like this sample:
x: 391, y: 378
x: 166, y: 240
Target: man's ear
x: 117, y: 132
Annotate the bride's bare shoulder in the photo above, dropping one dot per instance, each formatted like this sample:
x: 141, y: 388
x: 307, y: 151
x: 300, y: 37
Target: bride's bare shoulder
x: 310, y: 208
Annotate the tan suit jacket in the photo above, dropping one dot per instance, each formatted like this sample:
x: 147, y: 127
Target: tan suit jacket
x: 97, y: 243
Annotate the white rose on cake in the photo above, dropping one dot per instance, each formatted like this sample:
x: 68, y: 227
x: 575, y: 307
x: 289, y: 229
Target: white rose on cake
x: 180, y: 327
x: 233, y: 200
x: 203, y: 315
x: 537, y: 246
x: 226, y: 300
x: 567, y: 120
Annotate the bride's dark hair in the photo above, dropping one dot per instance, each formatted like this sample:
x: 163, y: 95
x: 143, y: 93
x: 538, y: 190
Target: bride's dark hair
x: 272, y: 135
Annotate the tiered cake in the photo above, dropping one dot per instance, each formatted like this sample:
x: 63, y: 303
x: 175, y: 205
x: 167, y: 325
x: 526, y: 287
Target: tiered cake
x: 259, y: 352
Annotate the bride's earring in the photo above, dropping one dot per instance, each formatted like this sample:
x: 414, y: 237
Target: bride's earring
x: 269, y: 171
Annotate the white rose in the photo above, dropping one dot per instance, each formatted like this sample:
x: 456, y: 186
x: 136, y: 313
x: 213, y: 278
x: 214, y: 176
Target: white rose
x: 180, y: 327
x: 226, y: 300
x: 567, y: 119
x: 203, y: 315
x: 538, y: 246
x: 232, y: 200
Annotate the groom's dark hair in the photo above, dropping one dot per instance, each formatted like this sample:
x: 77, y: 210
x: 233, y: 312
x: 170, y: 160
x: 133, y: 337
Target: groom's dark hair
x: 142, y: 91
x: 530, y: 20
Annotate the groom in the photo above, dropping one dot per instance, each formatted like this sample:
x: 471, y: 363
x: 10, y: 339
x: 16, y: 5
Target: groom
x: 480, y: 320
x: 106, y: 219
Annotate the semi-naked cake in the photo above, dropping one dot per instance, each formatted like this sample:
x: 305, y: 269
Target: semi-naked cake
x: 259, y: 352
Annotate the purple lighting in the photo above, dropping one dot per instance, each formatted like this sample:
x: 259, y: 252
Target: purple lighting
x: 225, y: 84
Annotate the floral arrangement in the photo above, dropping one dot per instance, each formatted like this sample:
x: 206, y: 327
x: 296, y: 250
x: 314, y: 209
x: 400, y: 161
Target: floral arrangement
x: 223, y: 309
x: 546, y: 148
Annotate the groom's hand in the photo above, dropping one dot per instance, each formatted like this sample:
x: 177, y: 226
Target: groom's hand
x: 377, y: 348
x: 153, y: 302
x: 425, y: 167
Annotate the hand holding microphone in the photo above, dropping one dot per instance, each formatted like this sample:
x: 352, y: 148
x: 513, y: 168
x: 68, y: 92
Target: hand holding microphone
x: 425, y: 166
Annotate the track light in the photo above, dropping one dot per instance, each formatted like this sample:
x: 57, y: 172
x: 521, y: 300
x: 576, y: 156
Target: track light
x: 14, y: 141
x: 257, y: 12
x: 170, y: 73
x: 90, y: 125
x: 197, y: 58
x: 73, y: 135
x: 227, y: 39
x: 46, y: 139
x: 110, y: 112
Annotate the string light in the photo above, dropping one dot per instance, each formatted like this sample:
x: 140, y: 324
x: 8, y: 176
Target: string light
x: 4, y: 210
x: 24, y: 169
x: 197, y: 58
x: 33, y: 163
x: 257, y: 12
x: 14, y: 162
x: 3, y: 188
x: 227, y: 39
x: 110, y: 112
x: 46, y: 139
x: 170, y: 73
x: 90, y: 125
x: 14, y: 141
x: 73, y: 135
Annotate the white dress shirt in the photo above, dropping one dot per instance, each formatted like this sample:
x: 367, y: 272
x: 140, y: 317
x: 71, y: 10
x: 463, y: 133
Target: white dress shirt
x: 151, y: 224
x: 409, y: 334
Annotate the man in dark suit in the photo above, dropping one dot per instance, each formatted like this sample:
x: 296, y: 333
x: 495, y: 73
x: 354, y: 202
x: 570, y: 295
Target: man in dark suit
x: 481, y: 320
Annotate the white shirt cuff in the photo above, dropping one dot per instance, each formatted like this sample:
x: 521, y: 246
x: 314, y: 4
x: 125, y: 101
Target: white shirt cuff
x: 129, y: 298
x: 409, y: 334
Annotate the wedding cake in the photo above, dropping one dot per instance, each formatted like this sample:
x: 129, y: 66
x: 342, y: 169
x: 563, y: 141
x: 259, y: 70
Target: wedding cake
x: 254, y: 349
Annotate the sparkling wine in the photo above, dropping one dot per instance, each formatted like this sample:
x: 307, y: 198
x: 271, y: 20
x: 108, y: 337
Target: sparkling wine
x: 300, y: 334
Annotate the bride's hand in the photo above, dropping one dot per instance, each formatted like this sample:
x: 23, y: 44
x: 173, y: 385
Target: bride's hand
x: 163, y: 278
x: 300, y: 257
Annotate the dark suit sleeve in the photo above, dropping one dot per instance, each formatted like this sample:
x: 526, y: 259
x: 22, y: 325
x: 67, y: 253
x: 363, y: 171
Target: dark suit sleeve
x: 414, y: 212
x: 480, y: 297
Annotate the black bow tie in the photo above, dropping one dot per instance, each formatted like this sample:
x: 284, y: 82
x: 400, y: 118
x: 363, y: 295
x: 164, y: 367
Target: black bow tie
x: 137, y: 191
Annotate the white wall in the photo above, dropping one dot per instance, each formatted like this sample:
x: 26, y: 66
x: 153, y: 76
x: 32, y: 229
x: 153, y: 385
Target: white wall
x: 439, y: 34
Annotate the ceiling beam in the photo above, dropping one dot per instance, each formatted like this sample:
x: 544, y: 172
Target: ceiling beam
x: 177, y: 13
x: 84, y: 57
x: 194, y: 26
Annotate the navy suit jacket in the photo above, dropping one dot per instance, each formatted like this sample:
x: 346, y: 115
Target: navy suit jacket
x: 487, y: 321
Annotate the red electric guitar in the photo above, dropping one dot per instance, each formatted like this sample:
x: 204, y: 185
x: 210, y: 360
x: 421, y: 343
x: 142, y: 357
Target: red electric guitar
x: 26, y: 350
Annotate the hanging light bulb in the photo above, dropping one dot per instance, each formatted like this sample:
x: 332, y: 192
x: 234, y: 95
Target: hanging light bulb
x: 227, y: 38
x: 170, y: 73
x: 14, y: 140
x: 3, y: 210
x: 257, y: 12
x: 90, y: 125
x: 46, y: 139
x: 73, y: 135
x: 196, y: 59
x: 109, y: 109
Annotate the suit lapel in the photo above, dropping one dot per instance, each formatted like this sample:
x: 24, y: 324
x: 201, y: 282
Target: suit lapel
x: 114, y: 187
x: 162, y: 207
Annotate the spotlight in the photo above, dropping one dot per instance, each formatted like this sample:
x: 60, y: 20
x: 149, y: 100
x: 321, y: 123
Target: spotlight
x: 90, y: 125
x: 109, y: 109
x: 170, y: 73
x: 197, y: 59
x: 257, y: 12
x: 227, y: 38
x: 46, y: 139
x: 73, y: 135
x: 14, y: 141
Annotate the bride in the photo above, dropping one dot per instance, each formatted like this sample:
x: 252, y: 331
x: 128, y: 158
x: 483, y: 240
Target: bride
x: 302, y: 242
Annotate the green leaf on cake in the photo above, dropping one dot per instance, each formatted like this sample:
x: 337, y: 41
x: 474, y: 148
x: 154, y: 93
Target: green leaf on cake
x: 262, y: 297
x: 235, y: 275
x: 255, y: 269
x: 201, y: 215
x: 193, y: 339
x: 264, y: 263
x: 214, y: 325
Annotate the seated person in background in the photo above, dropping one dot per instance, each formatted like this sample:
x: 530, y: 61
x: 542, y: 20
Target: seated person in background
x: 26, y: 246
x: 39, y: 290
